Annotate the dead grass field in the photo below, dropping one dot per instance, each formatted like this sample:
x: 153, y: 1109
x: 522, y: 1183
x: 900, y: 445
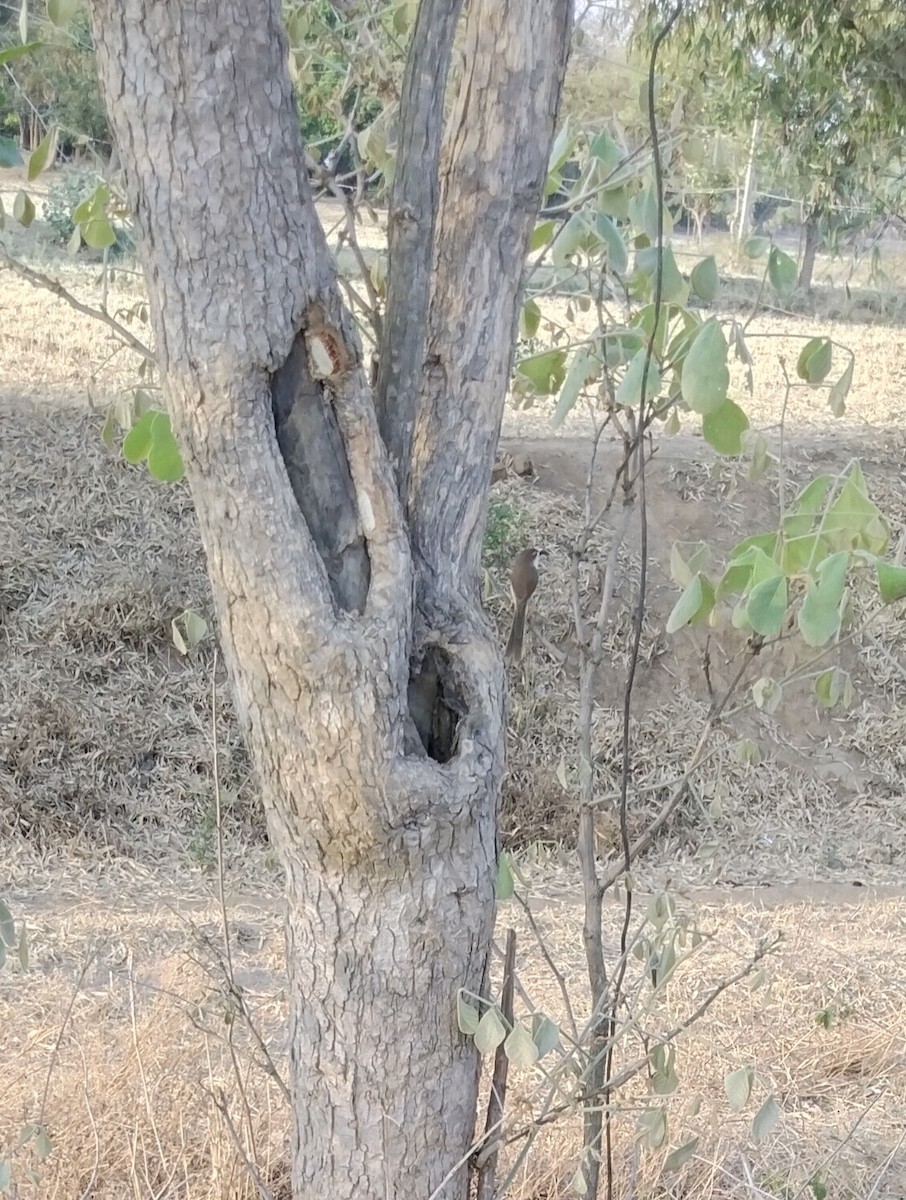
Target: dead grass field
x: 107, y: 818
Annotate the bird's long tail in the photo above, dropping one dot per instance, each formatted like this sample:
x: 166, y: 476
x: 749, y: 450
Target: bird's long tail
x: 517, y: 633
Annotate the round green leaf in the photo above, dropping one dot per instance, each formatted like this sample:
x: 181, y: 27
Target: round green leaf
x: 738, y: 1086
x: 756, y: 247
x: 653, y: 1127
x: 782, y: 272
x: 545, y: 372
x: 693, y: 606
x: 584, y: 370
x: 490, y: 1032
x: 705, y: 279
x: 815, y: 360
x: 765, y: 1119
x: 542, y: 234
x: 37, y: 160
x: 819, y: 616
x: 766, y: 605
x: 98, y: 233
x: 61, y: 12
x: 617, y: 254
x: 529, y: 319
x: 629, y: 391
x: 24, y: 209
x: 137, y: 441
x: 519, y: 1047
x: 706, y: 376
x: 836, y: 398
x: 723, y: 429
x: 164, y: 460
x: 466, y: 1017
x: 674, y: 287
x: 681, y: 1155
x: 545, y: 1034
x: 891, y: 581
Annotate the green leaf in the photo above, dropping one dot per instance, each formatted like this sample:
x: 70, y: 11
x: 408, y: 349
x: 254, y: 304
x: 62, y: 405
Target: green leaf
x: 815, y: 360
x: 584, y: 370
x: 738, y: 1086
x: 74, y: 245
x: 8, y: 55
x: 617, y: 254
x: 705, y: 280
x: 529, y: 319
x: 734, y: 579
x: 629, y: 391
x: 519, y: 1047
x: 891, y: 581
x: 98, y: 233
x: 560, y: 150
x: 607, y: 152
x: 853, y: 521
x: 23, y: 948
x: 643, y: 213
x: 686, y: 558
x: 569, y: 240
x: 43, y: 1145
x: 542, y: 234
x: 723, y: 429
x: 614, y: 202
x: 164, y: 460
x: 505, y: 885
x: 766, y: 605
x: 490, y: 1032
x: 137, y: 441
x: 765, y: 1119
x: 545, y: 1034
x: 652, y: 1126
x: 466, y: 1017
x: 782, y: 272
x: 681, y: 1155
x: 24, y: 209
x: 819, y: 616
x: 706, y: 376
x: 7, y: 925
x: 37, y: 160
x: 836, y: 398
x: 756, y: 247
x: 832, y: 686
x: 674, y: 287
x: 767, y: 694
x: 61, y: 12
x: 693, y: 606
x: 545, y: 372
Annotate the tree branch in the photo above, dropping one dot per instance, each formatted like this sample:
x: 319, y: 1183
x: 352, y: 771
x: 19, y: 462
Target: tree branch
x: 39, y: 280
x: 410, y: 229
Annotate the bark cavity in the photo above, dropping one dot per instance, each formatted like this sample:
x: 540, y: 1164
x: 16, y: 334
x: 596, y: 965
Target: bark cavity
x: 436, y: 704
x: 315, y: 458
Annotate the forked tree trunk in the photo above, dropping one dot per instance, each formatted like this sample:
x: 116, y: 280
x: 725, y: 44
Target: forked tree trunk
x: 344, y: 561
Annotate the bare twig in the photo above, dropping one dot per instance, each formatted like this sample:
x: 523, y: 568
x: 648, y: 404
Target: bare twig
x: 487, y: 1155
x: 37, y: 279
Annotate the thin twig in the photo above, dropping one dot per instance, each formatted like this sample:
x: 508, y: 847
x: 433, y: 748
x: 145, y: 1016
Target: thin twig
x: 39, y: 280
x: 488, y: 1154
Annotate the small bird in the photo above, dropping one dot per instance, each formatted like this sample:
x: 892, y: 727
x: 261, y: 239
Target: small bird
x: 524, y: 576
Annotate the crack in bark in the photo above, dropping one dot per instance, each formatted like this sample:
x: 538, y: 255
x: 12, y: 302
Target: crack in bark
x: 314, y: 454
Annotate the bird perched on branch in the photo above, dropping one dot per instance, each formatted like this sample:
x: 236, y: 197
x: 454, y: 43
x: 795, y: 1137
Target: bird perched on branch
x: 524, y: 576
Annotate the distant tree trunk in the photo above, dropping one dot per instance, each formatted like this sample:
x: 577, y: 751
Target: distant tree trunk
x: 810, y: 250
x: 747, y: 200
x: 345, y: 558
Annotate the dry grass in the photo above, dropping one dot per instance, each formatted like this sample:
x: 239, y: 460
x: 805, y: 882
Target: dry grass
x: 129, y: 1105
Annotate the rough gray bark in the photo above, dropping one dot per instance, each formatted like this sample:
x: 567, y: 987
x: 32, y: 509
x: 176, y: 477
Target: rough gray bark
x: 337, y: 614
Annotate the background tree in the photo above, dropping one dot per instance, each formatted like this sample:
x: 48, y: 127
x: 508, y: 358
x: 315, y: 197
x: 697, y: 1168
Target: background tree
x: 345, y: 561
x: 827, y: 85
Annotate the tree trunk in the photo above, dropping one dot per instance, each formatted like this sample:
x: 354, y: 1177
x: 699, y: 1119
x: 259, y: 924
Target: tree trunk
x: 748, y: 192
x: 810, y: 251
x: 362, y: 664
